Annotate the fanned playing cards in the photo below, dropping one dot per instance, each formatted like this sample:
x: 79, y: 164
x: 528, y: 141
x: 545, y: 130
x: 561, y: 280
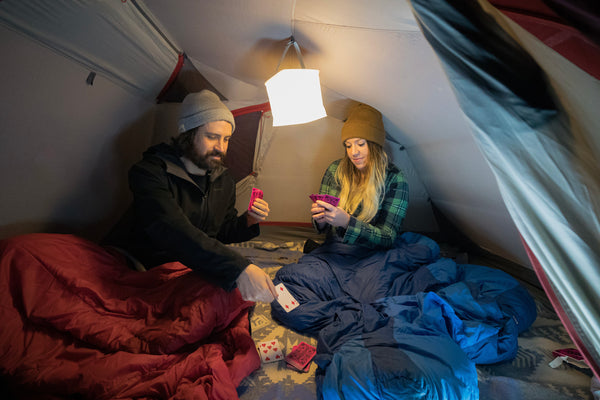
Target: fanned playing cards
x: 326, y: 198
x: 256, y: 194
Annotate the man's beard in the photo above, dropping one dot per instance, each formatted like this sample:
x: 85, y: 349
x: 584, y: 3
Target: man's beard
x: 204, y: 162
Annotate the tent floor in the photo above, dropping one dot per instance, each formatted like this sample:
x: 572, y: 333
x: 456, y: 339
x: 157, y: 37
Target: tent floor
x: 528, y: 376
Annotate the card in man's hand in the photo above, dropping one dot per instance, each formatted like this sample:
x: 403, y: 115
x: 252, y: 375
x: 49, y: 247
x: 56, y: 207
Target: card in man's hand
x: 326, y: 198
x: 256, y: 194
x: 270, y: 351
x: 287, y: 301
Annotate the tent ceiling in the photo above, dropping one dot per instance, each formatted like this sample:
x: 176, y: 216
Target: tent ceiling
x: 345, y: 40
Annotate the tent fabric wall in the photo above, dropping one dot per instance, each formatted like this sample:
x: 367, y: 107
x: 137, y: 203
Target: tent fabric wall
x: 65, y: 146
x: 89, y: 31
x: 547, y: 174
x: 289, y: 164
x: 185, y: 79
x: 240, y: 153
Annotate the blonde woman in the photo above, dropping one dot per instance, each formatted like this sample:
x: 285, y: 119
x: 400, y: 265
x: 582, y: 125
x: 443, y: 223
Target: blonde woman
x: 364, y: 226
x: 373, y: 192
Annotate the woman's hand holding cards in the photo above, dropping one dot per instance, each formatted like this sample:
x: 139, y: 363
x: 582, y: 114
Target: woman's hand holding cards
x: 324, y: 209
x: 323, y: 212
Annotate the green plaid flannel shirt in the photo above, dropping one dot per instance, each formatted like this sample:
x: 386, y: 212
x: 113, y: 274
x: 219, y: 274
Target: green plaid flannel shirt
x: 382, y: 230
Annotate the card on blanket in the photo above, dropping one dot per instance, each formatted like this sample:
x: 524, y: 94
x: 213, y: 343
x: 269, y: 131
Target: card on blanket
x: 305, y: 369
x: 301, y: 356
x: 270, y: 351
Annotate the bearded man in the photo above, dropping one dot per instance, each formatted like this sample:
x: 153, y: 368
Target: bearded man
x: 184, y: 204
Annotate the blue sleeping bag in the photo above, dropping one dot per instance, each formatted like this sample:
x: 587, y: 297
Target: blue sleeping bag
x: 402, y: 323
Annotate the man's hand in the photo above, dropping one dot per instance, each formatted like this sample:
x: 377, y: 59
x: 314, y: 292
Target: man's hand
x: 255, y: 285
x: 258, y: 212
x: 323, y: 212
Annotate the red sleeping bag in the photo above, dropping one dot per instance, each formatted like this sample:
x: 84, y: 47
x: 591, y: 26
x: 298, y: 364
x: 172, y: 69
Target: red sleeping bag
x: 76, y: 321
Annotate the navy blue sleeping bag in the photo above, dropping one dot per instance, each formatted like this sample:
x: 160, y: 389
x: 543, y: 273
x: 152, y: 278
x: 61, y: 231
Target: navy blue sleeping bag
x: 403, y: 323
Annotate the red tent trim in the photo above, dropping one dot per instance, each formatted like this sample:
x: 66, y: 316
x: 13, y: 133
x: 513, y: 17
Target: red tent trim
x: 283, y: 223
x: 178, y: 66
x: 554, y: 31
x: 541, y: 275
x: 264, y: 107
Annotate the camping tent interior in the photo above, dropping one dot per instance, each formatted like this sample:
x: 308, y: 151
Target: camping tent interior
x: 88, y: 86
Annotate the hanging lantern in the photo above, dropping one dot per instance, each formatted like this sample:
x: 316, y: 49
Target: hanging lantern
x: 295, y: 94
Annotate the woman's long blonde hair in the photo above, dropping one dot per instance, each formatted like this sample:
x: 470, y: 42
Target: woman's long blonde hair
x: 364, y: 187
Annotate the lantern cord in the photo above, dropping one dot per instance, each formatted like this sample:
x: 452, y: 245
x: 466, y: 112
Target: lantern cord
x: 287, y: 47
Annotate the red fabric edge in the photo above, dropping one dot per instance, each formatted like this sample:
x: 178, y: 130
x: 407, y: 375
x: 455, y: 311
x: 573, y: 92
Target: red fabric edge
x: 264, y: 107
x: 583, y: 60
x: 178, y: 66
x: 541, y: 275
x: 531, y: 9
x: 284, y: 223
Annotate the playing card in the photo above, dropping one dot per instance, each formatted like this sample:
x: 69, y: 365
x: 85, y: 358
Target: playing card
x: 331, y: 200
x: 569, y: 355
x: 300, y: 356
x: 334, y: 201
x: 270, y: 351
x: 570, y: 352
x: 256, y: 194
x: 305, y: 369
x: 287, y: 301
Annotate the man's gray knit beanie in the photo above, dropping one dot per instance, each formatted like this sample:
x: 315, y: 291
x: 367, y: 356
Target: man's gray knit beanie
x: 200, y: 108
